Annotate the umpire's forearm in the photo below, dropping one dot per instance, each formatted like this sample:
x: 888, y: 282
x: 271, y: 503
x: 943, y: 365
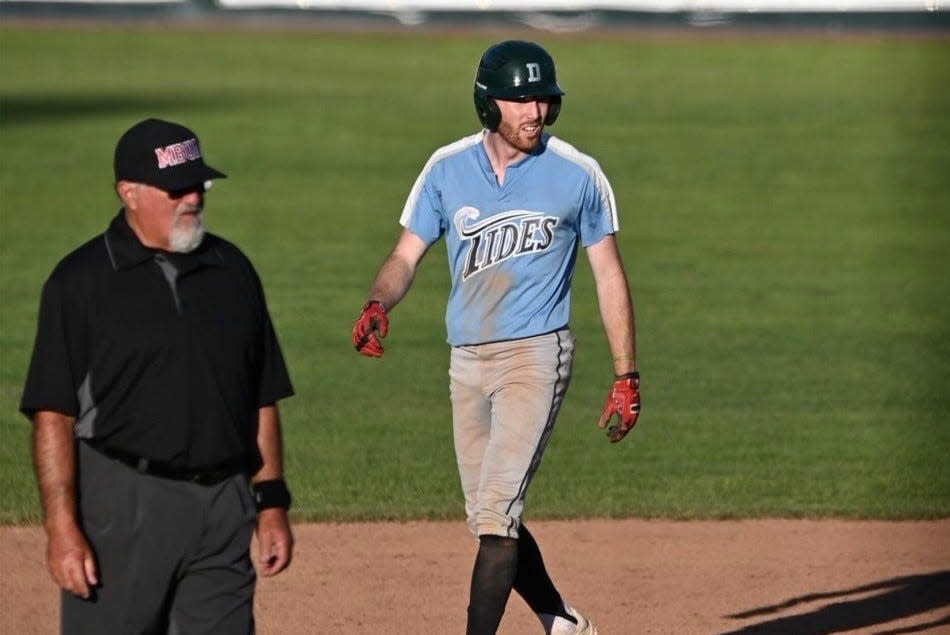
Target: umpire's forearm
x: 270, y: 444
x: 54, y: 459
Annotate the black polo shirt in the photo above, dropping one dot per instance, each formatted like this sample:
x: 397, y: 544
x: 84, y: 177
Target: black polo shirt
x: 159, y: 355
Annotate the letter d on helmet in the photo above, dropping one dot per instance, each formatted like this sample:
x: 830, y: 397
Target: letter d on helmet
x: 515, y: 69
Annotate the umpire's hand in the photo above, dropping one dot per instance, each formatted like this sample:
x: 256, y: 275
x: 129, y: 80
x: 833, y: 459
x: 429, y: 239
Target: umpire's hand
x: 276, y: 541
x: 70, y: 559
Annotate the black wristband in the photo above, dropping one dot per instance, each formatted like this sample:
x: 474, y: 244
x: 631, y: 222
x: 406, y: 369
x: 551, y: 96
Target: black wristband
x: 272, y: 493
x: 631, y: 375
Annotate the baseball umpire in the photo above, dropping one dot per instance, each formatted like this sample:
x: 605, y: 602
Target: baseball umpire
x: 153, y: 392
x: 513, y: 203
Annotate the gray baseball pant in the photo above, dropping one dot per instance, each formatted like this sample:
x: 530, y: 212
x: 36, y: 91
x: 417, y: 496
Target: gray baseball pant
x: 173, y: 556
x: 505, y: 400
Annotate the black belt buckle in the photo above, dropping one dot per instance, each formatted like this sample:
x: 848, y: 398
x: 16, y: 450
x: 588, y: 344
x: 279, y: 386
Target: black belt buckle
x: 142, y: 465
x: 211, y: 477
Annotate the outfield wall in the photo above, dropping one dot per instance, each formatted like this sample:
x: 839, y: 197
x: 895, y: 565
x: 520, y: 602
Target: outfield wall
x: 667, y: 6
x: 546, y: 15
x: 663, y: 6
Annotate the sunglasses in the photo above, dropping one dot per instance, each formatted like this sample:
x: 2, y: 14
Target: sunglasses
x: 200, y: 188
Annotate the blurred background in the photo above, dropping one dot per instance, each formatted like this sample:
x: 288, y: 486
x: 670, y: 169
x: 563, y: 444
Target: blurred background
x: 544, y: 15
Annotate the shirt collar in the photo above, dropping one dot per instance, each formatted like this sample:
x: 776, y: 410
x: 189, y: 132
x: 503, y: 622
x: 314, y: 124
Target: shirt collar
x: 127, y: 251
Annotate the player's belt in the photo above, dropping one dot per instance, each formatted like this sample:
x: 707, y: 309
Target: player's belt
x: 202, y: 476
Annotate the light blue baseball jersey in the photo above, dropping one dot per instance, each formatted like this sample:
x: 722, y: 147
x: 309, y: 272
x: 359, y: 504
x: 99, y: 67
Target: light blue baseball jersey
x: 511, y: 247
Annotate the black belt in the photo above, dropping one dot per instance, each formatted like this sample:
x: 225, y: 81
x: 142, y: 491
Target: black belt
x: 202, y: 476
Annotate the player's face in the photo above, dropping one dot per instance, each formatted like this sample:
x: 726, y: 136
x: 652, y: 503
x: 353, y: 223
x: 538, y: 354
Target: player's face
x: 169, y: 220
x: 522, y: 121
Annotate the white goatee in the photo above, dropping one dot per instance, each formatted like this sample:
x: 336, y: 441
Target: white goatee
x: 186, y: 236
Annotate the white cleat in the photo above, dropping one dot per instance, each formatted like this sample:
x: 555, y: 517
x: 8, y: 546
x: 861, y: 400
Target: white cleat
x: 584, y: 627
x: 561, y: 626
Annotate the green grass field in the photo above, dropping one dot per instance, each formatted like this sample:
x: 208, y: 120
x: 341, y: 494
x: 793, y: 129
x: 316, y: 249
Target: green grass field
x: 785, y: 212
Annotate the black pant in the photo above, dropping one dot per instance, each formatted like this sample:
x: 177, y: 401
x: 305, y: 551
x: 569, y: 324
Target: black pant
x: 173, y: 556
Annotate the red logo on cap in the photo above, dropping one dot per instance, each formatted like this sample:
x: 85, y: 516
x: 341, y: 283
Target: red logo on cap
x: 177, y: 153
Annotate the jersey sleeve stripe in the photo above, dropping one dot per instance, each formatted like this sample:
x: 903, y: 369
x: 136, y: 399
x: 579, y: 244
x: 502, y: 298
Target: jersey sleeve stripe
x: 593, y: 169
x: 445, y: 151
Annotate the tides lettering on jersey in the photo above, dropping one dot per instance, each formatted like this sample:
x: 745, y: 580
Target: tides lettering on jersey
x: 502, y: 236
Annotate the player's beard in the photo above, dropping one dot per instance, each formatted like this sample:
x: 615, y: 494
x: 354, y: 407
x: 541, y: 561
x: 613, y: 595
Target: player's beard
x: 518, y: 139
x: 188, y: 229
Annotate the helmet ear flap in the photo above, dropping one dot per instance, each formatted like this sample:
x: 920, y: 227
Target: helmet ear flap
x: 487, y: 110
x: 554, y: 109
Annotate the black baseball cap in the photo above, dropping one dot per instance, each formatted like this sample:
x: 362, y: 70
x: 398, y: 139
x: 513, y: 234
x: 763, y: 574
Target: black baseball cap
x: 163, y: 154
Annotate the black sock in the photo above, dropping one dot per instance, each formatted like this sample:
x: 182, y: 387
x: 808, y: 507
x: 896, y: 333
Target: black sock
x: 533, y: 582
x: 495, y: 568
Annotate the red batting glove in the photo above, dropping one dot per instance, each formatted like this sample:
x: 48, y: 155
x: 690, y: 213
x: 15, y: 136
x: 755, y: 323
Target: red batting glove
x: 372, y: 320
x: 623, y: 401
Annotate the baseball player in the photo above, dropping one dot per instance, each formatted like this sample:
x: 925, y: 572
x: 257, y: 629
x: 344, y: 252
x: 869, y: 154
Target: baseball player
x: 513, y: 203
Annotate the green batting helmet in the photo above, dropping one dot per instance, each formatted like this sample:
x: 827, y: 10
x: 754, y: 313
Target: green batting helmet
x: 515, y: 70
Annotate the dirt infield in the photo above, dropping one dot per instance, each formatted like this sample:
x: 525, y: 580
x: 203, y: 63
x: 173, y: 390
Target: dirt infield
x: 763, y: 577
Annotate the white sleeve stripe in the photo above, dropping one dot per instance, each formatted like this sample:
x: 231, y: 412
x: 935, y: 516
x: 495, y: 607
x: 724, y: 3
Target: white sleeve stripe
x: 445, y: 151
x: 589, y: 165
